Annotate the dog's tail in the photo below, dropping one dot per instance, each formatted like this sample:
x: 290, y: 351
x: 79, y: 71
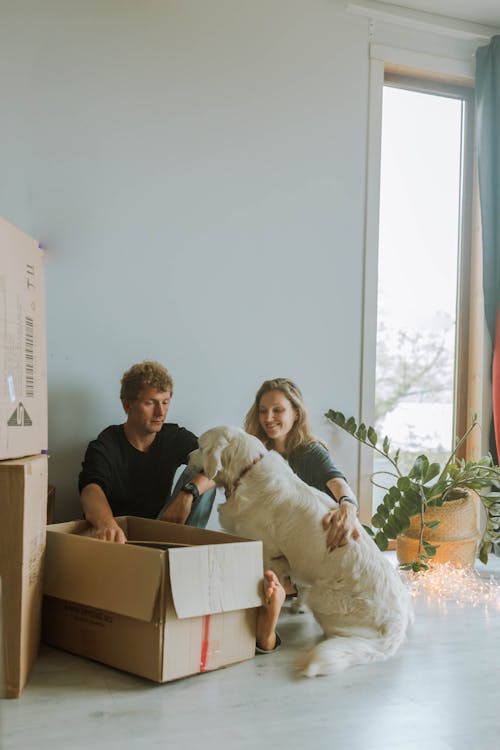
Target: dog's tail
x: 340, y: 652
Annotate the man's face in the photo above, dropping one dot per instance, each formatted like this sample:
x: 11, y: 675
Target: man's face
x: 148, y: 412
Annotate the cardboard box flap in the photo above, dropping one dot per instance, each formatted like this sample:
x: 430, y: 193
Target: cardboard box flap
x: 147, y: 528
x: 103, y: 574
x: 215, y: 578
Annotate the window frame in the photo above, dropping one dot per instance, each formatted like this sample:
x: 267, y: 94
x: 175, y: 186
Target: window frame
x: 455, y: 85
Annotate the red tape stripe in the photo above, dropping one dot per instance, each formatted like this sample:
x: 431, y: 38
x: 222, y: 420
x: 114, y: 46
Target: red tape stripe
x: 204, y: 643
x: 495, y: 382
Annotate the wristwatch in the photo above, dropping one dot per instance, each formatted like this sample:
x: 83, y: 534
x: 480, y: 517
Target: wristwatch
x: 192, y: 489
x: 347, y: 499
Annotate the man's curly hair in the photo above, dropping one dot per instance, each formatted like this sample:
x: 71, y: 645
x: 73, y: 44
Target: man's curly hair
x: 145, y: 373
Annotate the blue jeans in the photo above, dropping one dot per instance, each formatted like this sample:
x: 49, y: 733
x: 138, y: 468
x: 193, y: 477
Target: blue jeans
x: 201, y: 508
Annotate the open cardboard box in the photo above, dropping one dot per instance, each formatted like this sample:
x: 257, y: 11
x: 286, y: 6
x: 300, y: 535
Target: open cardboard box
x: 178, y: 602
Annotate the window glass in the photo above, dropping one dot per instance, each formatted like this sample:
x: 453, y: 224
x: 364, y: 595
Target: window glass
x: 419, y: 240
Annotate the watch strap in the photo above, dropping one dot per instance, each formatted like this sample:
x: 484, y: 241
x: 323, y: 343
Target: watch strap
x: 192, y: 489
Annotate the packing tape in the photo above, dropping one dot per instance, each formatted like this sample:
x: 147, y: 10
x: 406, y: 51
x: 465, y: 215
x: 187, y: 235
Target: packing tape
x: 204, y: 643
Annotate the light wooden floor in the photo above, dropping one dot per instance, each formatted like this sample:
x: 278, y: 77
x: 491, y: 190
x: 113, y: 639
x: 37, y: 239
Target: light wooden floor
x: 442, y: 692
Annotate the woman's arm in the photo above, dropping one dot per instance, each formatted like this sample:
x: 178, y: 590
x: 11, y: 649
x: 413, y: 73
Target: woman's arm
x: 341, y: 523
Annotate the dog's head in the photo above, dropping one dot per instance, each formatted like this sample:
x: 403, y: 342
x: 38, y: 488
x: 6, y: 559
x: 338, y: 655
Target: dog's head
x: 224, y: 453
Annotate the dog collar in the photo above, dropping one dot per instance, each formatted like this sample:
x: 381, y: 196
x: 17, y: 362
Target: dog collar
x: 245, y: 471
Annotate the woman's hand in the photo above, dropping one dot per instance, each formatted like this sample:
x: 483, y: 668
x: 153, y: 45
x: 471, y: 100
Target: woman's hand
x: 341, y: 525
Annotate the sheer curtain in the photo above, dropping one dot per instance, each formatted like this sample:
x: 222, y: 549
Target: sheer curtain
x: 488, y: 144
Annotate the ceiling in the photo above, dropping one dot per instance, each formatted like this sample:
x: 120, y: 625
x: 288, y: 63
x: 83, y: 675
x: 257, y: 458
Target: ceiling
x: 485, y: 12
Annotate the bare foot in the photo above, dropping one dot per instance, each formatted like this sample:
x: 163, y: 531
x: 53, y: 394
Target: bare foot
x: 267, y: 615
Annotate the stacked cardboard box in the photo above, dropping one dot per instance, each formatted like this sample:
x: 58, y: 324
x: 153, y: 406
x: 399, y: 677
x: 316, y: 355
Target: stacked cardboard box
x: 23, y: 448
x: 23, y: 493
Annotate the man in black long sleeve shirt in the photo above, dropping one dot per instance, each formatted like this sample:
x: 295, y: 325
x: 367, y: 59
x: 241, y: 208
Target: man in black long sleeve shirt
x: 129, y: 469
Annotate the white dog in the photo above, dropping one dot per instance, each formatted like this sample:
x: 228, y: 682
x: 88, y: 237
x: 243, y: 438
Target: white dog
x: 353, y: 591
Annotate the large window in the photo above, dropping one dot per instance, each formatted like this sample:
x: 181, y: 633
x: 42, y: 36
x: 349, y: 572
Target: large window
x: 424, y: 230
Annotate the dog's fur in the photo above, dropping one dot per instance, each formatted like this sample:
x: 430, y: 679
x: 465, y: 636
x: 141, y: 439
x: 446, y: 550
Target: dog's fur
x: 353, y: 591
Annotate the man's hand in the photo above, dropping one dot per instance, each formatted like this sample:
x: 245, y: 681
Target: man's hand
x: 179, y: 509
x: 110, y: 533
x: 341, y: 525
x: 99, y: 515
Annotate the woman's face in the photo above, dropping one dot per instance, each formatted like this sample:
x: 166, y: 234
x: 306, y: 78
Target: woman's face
x: 277, y: 416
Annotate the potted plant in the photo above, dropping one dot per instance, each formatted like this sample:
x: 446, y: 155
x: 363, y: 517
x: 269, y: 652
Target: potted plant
x: 410, y: 496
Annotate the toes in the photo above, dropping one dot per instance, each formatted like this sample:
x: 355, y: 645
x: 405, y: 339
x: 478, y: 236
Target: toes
x: 271, y: 576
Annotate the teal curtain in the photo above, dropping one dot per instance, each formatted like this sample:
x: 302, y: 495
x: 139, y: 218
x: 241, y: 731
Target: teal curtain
x: 488, y: 146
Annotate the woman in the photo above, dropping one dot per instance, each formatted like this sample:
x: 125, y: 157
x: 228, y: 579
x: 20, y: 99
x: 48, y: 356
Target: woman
x: 278, y: 417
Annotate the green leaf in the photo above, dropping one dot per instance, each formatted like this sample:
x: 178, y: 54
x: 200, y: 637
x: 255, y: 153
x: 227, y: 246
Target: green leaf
x: 372, y: 436
x: 402, y: 518
x: 386, y: 445
x: 361, y: 433
x: 368, y: 530
x: 339, y: 418
x: 416, y: 567
x: 432, y: 472
x: 484, y: 551
x: 403, y: 484
x: 419, y: 468
x: 335, y: 416
x: 415, y: 471
x: 410, y: 505
x: 438, y: 501
x: 431, y: 524
x: 414, y: 497
x: 493, y: 495
x: 391, y: 528
x: 440, y: 487
x: 389, y: 502
x: 382, y: 511
x: 394, y: 493
x: 429, y: 549
x: 377, y: 521
x: 381, y: 541
x: 350, y: 425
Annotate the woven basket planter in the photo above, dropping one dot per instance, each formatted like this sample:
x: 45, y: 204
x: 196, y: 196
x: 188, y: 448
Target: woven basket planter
x: 457, y: 534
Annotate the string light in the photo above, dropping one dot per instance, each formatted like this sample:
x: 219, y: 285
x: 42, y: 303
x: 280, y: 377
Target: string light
x: 464, y: 586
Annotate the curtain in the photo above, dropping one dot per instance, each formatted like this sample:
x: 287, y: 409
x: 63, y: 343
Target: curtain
x: 488, y: 146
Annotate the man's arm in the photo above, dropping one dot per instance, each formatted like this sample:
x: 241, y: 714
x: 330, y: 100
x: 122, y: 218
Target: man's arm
x: 97, y: 512
x: 180, y: 507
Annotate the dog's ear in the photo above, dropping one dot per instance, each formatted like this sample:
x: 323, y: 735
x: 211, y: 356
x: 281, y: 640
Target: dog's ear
x: 212, y: 456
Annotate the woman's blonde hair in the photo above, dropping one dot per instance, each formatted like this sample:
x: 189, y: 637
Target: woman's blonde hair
x: 145, y: 373
x: 300, y: 435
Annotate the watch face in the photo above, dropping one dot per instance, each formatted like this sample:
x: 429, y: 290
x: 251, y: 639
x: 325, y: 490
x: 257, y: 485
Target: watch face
x: 192, y: 488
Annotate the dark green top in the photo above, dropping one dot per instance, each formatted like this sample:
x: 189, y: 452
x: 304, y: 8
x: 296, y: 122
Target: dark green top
x: 314, y: 465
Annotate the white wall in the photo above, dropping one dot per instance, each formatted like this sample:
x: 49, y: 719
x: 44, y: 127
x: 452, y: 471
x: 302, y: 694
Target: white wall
x: 196, y: 172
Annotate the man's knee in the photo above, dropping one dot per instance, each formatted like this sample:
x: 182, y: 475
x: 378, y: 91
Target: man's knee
x: 201, y: 509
